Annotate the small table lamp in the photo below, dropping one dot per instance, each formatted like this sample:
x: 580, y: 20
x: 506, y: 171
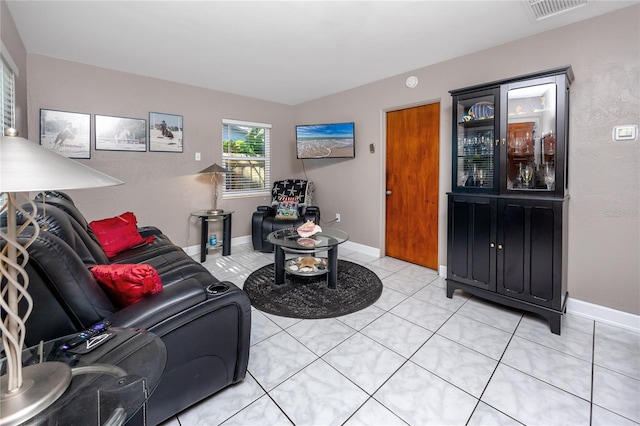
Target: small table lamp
x: 24, y: 167
x: 215, y: 171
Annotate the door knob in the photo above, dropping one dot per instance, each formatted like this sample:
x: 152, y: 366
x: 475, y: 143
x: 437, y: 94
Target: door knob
x: 388, y: 192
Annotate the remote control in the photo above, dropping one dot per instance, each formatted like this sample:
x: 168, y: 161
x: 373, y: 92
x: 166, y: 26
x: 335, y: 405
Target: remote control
x: 85, y: 335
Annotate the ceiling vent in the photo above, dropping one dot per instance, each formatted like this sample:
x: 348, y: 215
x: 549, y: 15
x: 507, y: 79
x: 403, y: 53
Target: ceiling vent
x: 542, y: 9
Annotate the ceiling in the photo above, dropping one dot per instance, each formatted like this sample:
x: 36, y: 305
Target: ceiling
x: 288, y: 52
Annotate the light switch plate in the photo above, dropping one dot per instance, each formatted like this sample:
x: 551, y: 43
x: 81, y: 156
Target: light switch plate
x: 628, y: 132
x: 198, y: 156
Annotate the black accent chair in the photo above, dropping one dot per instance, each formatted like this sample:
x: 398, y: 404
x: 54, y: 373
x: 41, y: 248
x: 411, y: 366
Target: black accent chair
x: 266, y: 219
x: 205, y: 324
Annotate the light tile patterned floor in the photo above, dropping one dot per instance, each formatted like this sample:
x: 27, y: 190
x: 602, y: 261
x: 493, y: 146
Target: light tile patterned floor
x: 416, y: 357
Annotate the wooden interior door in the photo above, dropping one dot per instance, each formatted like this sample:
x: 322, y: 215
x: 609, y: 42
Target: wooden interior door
x: 413, y: 137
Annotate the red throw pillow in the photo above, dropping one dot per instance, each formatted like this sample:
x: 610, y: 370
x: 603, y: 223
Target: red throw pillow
x: 127, y: 284
x: 117, y: 234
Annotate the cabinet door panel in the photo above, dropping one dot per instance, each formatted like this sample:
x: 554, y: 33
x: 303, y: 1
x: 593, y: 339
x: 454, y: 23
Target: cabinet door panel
x: 458, y: 242
x: 472, y: 230
x: 530, y: 260
x: 481, y: 242
x: 542, y: 252
x: 513, y: 252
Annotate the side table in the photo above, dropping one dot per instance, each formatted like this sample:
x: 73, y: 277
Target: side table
x: 207, y: 216
x: 286, y: 241
x: 110, y: 383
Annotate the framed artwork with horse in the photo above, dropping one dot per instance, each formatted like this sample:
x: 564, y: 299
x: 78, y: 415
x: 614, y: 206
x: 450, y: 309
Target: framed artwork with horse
x: 120, y: 133
x: 67, y: 133
x: 165, y: 132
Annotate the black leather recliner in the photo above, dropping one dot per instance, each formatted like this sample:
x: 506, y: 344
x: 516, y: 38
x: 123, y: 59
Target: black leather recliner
x: 265, y: 220
x: 206, y: 334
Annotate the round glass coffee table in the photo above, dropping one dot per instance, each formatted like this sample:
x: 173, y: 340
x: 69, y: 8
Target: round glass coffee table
x: 288, y: 241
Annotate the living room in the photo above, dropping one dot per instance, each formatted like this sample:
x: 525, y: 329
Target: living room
x: 164, y: 188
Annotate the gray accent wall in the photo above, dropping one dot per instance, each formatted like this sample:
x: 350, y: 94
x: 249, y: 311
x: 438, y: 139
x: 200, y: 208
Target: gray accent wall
x: 604, y: 176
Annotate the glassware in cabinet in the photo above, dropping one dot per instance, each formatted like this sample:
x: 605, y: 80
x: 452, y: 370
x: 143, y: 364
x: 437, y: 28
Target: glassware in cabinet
x: 531, y: 127
x: 474, y: 156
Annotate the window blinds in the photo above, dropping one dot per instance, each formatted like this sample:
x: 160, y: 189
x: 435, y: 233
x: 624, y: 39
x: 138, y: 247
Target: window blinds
x: 7, y: 106
x: 246, y: 154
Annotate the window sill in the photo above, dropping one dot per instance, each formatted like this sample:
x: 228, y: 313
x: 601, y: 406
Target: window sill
x: 246, y: 195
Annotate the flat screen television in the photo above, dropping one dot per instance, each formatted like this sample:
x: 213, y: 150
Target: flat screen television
x: 336, y: 140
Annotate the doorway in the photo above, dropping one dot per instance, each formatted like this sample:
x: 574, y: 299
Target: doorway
x: 412, y: 182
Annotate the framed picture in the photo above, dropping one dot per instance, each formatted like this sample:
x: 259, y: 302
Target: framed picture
x: 67, y: 133
x: 165, y: 132
x: 120, y: 133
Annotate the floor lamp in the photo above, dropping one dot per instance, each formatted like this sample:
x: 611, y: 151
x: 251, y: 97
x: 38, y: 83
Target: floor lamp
x: 214, y: 170
x: 26, y: 167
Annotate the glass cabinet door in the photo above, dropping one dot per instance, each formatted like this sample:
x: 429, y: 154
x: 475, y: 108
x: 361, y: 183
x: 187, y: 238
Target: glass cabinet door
x: 530, y: 138
x: 475, y: 129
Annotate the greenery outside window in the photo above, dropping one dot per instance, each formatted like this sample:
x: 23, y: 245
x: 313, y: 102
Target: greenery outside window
x: 246, y: 154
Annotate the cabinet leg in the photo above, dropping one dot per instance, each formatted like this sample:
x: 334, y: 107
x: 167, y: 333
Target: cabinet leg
x: 555, y: 323
x: 450, y: 291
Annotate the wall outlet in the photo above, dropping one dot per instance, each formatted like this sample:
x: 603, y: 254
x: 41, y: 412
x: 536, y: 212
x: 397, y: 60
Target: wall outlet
x: 197, y: 156
x: 337, y: 217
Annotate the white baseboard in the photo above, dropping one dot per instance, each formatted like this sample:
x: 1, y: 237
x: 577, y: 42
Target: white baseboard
x: 442, y: 271
x: 603, y: 314
x: 361, y: 248
x: 591, y: 311
x: 237, y: 241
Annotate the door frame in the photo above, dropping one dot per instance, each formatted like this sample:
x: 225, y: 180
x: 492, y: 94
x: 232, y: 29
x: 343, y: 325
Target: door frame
x: 383, y: 170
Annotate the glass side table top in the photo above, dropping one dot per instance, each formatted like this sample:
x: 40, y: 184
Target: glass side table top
x: 209, y: 213
x: 289, y: 238
x: 111, y: 382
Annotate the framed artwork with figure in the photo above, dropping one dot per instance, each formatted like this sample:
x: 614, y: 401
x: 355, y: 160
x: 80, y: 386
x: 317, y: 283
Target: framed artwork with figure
x: 165, y: 132
x: 67, y: 133
x: 120, y: 133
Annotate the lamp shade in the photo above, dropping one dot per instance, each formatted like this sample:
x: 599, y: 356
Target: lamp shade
x: 214, y: 168
x: 25, y: 166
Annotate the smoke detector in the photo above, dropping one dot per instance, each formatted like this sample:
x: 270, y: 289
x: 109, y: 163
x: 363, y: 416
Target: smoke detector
x: 541, y: 9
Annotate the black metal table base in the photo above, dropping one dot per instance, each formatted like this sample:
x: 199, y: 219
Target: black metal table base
x: 332, y: 264
x: 204, y: 236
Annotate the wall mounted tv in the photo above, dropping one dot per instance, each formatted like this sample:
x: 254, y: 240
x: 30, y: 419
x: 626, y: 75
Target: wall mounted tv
x: 336, y: 140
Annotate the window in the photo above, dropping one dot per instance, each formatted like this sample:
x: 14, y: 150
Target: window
x: 246, y: 154
x: 7, y: 104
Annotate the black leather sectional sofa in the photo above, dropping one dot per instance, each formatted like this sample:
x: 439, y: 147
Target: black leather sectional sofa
x: 205, y: 324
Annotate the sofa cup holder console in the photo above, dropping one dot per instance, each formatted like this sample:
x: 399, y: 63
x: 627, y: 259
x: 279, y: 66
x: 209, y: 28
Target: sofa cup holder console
x: 217, y: 288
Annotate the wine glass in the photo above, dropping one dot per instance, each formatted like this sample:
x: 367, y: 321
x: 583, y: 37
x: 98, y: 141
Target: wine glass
x: 474, y: 175
x: 526, y: 173
x: 462, y: 177
x: 481, y: 177
x: 549, y: 176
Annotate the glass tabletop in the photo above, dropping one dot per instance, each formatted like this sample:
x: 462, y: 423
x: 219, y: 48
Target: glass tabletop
x: 290, y: 238
x: 209, y: 213
x: 110, y: 382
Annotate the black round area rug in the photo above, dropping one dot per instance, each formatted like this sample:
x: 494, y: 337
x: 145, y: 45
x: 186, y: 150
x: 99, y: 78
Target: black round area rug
x: 309, y: 297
